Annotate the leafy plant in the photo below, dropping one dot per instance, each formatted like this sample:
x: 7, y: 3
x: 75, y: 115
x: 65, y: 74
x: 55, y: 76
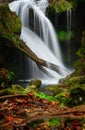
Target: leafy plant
x: 6, y: 78
x: 63, y: 5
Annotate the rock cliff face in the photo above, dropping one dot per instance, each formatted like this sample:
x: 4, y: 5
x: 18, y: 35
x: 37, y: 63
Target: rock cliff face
x: 10, y: 24
x: 10, y: 28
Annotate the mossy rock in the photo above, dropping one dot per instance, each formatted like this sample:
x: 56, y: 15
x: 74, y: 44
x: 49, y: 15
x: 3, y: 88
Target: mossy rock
x: 36, y: 82
x: 14, y: 89
x: 76, y: 81
x: 52, y: 87
x: 77, y: 97
x: 55, y: 89
x: 7, y: 91
x: 61, y: 98
x: 9, y: 21
x: 17, y: 87
x: 80, y: 64
x: 55, y: 122
x: 10, y: 26
x: 33, y: 86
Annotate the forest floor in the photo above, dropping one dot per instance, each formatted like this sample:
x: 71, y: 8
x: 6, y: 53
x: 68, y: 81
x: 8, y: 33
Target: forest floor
x: 29, y: 112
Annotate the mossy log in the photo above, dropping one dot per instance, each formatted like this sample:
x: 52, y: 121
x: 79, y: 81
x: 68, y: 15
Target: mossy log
x: 40, y: 62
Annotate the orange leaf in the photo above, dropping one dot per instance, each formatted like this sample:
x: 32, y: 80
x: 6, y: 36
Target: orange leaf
x: 10, y: 118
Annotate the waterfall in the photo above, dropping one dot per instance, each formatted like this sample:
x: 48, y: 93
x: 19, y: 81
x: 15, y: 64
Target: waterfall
x: 38, y: 33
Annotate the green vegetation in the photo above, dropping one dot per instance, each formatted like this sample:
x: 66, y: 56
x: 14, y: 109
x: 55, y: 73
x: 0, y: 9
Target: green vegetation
x: 9, y: 30
x: 65, y: 36
x: 6, y: 78
x: 44, y: 96
x: 54, y: 122
x: 61, y: 5
x: 77, y: 97
x: 80, y: 64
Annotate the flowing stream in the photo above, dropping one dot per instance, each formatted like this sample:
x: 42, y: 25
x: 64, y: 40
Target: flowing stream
x: 38, y: 33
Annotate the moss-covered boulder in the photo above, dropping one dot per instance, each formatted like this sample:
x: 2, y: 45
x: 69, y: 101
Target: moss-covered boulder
x: 10, y: 26
x: 77, y: 97
x: 53, y: 89
x: 13, y: 90
x: 80, y: 64
x: 78, y: 81
x: 33, y: 86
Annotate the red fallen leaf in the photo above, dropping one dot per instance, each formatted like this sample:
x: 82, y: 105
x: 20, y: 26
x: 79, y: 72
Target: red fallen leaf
x: 10, y: 118
x: 29, y: 100
x: 24, y: 101
x: 78, y: 128
x: 75, y: 123
x: 53, y: 103
x: 18, y: 100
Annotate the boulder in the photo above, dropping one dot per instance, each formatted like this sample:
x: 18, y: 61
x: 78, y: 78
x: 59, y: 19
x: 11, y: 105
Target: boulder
x: 34, y: 86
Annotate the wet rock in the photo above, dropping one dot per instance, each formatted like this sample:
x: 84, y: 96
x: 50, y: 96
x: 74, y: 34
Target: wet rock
x: 62, y: 80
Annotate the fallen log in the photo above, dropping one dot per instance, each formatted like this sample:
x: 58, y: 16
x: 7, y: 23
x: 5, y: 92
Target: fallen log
x: 40, y: 62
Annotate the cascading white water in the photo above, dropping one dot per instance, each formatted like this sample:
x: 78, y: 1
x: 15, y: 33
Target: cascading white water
x: 41, y: 38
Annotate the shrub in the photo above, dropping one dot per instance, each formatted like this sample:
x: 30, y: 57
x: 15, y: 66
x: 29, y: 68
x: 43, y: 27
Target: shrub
x: 6, y: 78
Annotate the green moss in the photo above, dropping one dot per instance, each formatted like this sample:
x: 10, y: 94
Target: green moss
x: 7, y: 91
x: 65, y: 36
x: 36, y: 123
x: 77, y: 97
x: 76, y: 91
x: 6, y: 78
x: 10, y: 26
x: 36, y: 82
x: 62, y: 6
x: 61, y: 98
x: 9, y: 22
x: 54, y: 122
x: 44, y: 96
x: 80, y: 64
x: 51, y: 7
x: 33, y: 86
x: 53, y: 88
x: 14, y: 89
x: 76, y: 81
x: 80, y: 67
